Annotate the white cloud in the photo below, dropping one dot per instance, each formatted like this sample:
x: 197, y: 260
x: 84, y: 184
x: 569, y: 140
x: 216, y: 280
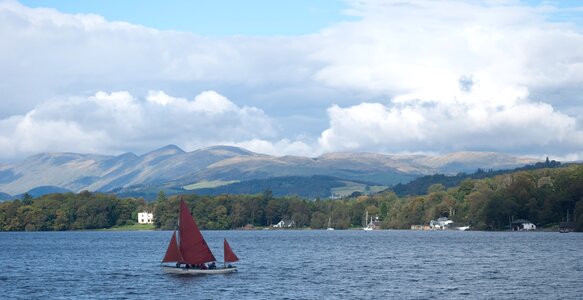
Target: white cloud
x: 278, y: 148
x: 522, y: 127
x: 424, y: 47
x: 29, y: 135
x: 117, y: 122
x: 209, y: 102
x: 213, y: 103
x: 459, y: 76
x: 417, y: 75
x: 61, y: 54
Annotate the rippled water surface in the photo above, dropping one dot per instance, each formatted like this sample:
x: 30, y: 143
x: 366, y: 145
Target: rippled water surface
x: 298, y: 265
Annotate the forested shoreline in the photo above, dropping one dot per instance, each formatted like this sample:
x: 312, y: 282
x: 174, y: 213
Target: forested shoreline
x: 543, y: 196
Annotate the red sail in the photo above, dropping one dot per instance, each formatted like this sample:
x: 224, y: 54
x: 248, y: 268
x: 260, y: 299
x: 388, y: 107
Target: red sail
x: 229, y: 254
x: 192, y: 245
x: 172, y: 253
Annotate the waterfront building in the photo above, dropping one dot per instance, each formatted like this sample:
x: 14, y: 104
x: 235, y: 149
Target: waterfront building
x: 440, y: 224
x: 522, y: 225
x: 284, y: 224
x: 145, y: 218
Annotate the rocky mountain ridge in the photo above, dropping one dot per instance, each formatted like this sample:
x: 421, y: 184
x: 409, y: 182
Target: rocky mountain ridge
x: 171, y: 166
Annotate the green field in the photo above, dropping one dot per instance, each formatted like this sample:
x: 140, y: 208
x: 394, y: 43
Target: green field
x: 207, y: 184
x: 352, y: 187
x: 134, y: 227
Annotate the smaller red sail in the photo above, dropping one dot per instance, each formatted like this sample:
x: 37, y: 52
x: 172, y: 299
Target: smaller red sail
x: 229, y: 254
x: 173, y: 253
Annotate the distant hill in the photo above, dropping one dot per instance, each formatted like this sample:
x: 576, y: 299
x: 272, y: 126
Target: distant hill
x: 36, y: 192
x: 4, y: 196
x: 312, y: 187
x: 170, y: 168
x: 420, y: 185
x: 45, y: 190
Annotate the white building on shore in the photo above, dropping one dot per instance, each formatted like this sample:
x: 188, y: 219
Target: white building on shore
x: 522, y: 225
x: 284, y: 224
x: 145, y: 218
x: 440, y: 224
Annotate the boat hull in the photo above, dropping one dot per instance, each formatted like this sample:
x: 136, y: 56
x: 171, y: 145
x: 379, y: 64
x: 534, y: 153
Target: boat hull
x: 184, y: 271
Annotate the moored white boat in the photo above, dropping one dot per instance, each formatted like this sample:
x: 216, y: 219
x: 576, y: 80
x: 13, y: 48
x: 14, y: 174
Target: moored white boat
x: 368, y: 226
x: 329, y: 227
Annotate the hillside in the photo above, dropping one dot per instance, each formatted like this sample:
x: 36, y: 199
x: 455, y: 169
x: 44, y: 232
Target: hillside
x: 419, y: 186
x: 546, y: 197
x: 312, y: 187
x: 171, y: 168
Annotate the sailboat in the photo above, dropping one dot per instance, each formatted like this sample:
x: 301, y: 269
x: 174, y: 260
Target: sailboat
x: 329, y: 227
x: 190, y: 251
x: 566, y: 227
x: 367, y: 227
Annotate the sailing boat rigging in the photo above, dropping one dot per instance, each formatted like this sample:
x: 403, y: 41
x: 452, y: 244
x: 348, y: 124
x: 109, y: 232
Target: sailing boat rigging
x: 190, y: 251
x: 330, y: 227
x: 368, y: 226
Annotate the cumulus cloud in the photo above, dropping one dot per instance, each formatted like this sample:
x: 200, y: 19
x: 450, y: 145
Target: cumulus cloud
x: 424, y: 47
x: 524, y: 128
x: 457, y: 75
x: 280, y: 147
x: 405, y: 76
x: 209, y: 102
x: 62, y: 54
x: 118, y: 122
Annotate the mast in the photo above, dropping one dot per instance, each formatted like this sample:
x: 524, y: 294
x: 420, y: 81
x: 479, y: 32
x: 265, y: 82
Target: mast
x: 366, y: 219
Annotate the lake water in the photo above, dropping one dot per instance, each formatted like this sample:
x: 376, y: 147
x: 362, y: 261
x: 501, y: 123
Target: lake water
x: 298, y: 265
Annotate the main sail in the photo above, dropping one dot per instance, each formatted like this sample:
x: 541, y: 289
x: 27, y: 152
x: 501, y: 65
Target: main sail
x: 193, y: 247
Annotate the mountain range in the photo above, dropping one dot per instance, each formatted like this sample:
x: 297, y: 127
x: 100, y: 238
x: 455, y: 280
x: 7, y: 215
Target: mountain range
x: 172, y: 168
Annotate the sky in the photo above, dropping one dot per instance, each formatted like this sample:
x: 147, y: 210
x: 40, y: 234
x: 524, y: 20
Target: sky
x: 292, y: 77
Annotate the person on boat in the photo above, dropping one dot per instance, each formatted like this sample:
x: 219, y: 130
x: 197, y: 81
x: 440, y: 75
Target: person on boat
x: 212, y: 265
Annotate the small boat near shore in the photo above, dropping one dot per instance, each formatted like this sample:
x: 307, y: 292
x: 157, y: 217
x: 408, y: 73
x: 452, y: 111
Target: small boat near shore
x: 329, y: 227
x: 190, y: 251
x: 368, y: 226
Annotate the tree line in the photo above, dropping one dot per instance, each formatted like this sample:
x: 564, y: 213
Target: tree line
x: 68, y: 211
x: 542, y: 196
x: 420, y: 185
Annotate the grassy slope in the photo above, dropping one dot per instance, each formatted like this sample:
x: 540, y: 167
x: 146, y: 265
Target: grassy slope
x: 134, y: 227
x: 207, y: 184
x: 351, y: 187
